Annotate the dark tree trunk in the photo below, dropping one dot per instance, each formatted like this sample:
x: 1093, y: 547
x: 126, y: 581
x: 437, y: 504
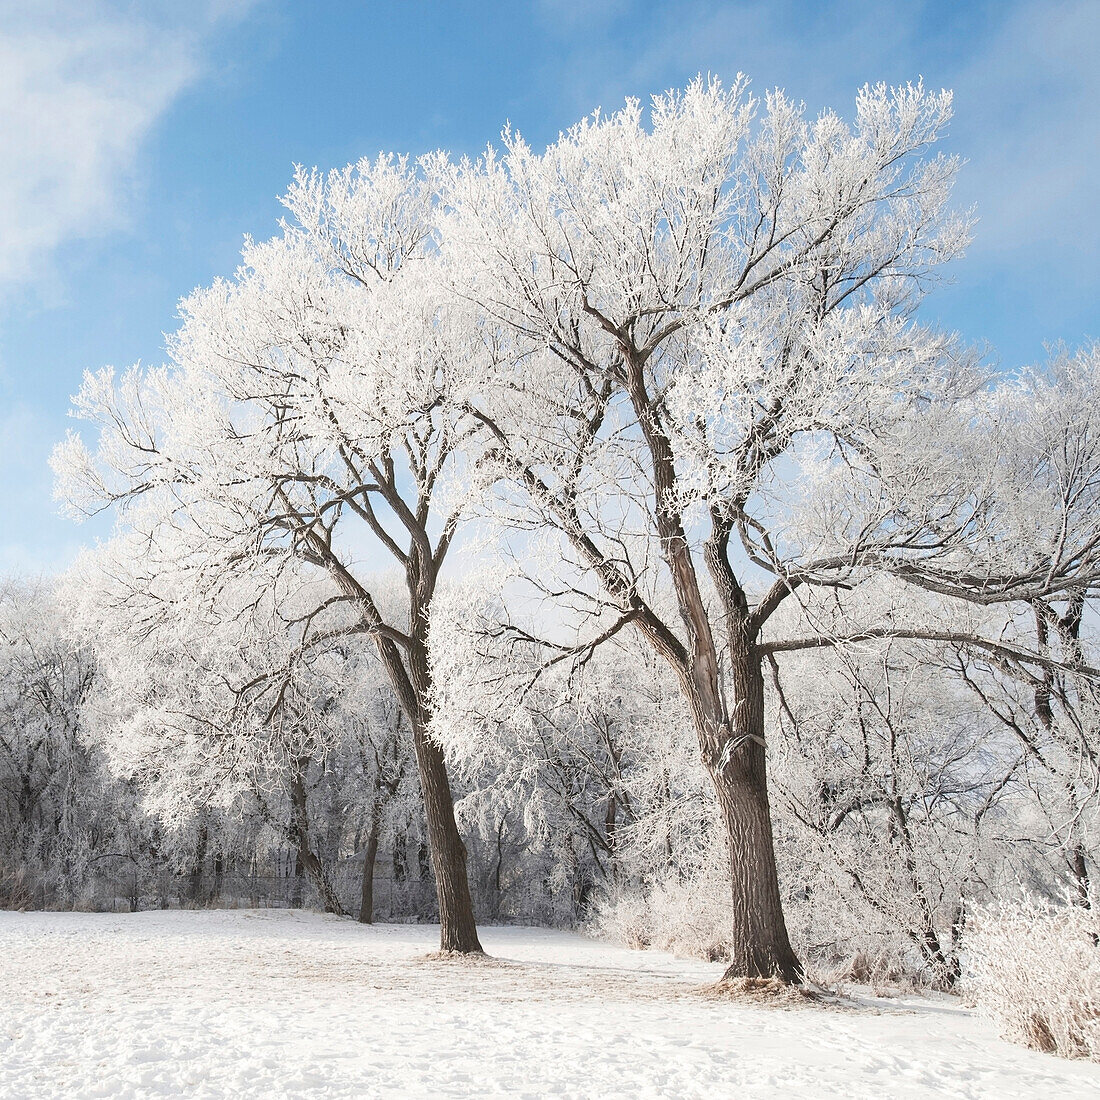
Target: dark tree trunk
x: 760, y: 945
x: 498, y: 869
x: 1079, y: 869
x: 366, y: 898
x: 195, y: 892
x: 219, y: 876
x: 946, y: 967
x: 457, y: 927
x: 412, y: 682
x: 405, y: 657
x: 731, y: 737
x: 610, y: 822
x: 299, y: 829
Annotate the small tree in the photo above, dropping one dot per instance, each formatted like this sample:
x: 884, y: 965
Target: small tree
x: 314, y: 407
x: 892, y: 788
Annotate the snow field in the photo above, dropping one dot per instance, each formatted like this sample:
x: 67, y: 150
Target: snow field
x: 290, y: 1004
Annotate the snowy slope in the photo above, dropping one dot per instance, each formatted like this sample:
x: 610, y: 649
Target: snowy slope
x: 274, y: 1003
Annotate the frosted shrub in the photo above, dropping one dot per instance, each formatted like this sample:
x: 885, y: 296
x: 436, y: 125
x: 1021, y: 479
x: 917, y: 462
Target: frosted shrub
x: 842, y: 946
x: 687, y: 916
x: 17, y: 889
x: 1035, y: 969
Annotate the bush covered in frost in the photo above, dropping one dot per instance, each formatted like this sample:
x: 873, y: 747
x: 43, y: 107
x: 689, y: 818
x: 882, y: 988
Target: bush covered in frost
x: 687, y: 916
x: 1035, y: 969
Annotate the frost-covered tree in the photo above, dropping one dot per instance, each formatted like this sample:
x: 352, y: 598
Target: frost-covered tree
x: 720, y: 397
x: 894, y: 790
x: 1051, y: 711
x: 581, y: 770
x: 1051, y: 717
x: 51, y: 806
x: 315, y: 405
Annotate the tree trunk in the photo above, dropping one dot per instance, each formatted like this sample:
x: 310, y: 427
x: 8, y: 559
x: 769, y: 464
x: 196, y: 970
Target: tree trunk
x: 296, y: 873
x: 457, y: 927
x: 731, y: 739
x: 760, y: 945
x: 1079, y: 869
x: 366, y: 898
x: 194, y: 880
x: 499, y: 867
x: 219, y: 877
x: 408, y: 670
x: 312, y: 866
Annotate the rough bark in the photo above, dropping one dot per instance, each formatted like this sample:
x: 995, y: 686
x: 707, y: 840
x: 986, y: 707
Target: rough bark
x: 400, y: 858
x: 412, y: 679
x: 760, y: 945
x: 731, y: 734
x: 457, y: 927
x: 405, y: 658
x: 408, y: 669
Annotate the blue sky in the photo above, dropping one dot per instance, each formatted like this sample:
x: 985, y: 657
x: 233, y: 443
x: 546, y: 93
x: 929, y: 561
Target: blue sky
x: 140, y: 141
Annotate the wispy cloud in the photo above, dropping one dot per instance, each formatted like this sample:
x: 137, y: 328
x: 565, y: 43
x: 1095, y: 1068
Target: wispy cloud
x: 1028, y: 110
x: 82, y: 82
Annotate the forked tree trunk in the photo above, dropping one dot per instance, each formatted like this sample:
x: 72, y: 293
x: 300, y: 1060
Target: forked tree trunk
x: 408, y: 669
x: 731, y: 734
x: 309, y: 860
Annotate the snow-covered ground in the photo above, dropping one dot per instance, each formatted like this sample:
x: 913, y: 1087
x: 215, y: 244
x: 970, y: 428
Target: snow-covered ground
x: 274, y: 1003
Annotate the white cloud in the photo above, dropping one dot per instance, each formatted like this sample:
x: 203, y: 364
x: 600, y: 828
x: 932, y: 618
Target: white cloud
x: 82, y: 82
